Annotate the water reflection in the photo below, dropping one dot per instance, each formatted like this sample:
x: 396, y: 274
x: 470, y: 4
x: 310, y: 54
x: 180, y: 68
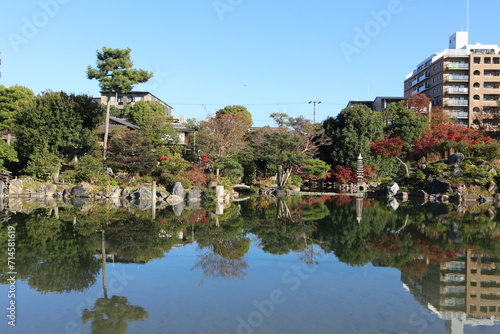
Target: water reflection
x: 449, y: 259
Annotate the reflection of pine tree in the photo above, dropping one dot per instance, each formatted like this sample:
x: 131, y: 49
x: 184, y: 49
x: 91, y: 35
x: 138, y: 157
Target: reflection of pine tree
x: 111, y: 315
x: 217, y: 266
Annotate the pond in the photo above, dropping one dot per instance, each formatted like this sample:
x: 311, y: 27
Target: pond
x: 294, y: 265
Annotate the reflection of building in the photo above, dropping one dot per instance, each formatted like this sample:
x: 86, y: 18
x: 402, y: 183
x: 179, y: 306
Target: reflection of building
x: 465, y: 291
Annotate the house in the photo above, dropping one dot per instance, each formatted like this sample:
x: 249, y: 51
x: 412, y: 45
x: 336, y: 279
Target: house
x: 120, y: 100
x: 115, y: 122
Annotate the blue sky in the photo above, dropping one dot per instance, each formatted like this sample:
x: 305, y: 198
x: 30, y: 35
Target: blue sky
x: 269, y: 55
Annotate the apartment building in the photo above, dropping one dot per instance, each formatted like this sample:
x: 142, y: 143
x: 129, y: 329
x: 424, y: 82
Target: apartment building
x: 463, y: 79
x: 120, y: 100
x: 380, y: 102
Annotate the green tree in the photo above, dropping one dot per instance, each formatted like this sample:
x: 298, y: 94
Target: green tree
x: 242, y: 111
x: 115, y: 75
x: 351, y: 132
x: 13, y: 99
x: 61, y: 124
x: 280, y: 148
x: 132, y: 152
x: 406, y: 124
x: 7, y: 154
x: 150, y: 117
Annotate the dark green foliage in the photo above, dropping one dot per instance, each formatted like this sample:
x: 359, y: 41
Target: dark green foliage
x: 230, y: 168
x: 405, y: 124
x: 115, y: 75
x: 150, y: 117
x: 89, y: 169
x: 315, y: 168
x: 7, y: 154
x: 237, y: 110
x: 13, y: 99
x: 351, y: 132
x: 60, y: 123
x: 43, y: 164
x: 130, y: 151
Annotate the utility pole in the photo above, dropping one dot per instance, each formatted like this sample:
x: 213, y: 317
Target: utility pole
x: 315, y: 103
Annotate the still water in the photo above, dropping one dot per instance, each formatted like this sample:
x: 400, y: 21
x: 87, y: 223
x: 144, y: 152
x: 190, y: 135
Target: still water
x: 298, y: 265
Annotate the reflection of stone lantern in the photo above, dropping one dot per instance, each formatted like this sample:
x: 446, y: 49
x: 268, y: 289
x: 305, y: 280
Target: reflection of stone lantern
x: 359, y: 172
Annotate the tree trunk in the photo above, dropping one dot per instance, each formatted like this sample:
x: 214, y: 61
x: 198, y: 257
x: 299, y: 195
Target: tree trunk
x: 404, y: 165
x: 106, y: 130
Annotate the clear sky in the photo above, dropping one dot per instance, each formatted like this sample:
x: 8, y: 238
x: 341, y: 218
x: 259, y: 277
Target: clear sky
x: 269, y: 55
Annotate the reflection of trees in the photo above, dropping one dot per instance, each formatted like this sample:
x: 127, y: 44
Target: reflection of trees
x: 112, y: 315
x: 51, y: 255
x: 348, y: 239
x: 224, y: 245
x: 217, y: 266
x: 139, y: 240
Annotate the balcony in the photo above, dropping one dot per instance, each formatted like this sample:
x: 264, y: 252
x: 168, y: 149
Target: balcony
x: 459, y: 114
x: 457, y: 90
x: 456, y: 102
x: 458, y: 66
x: 456, y: 77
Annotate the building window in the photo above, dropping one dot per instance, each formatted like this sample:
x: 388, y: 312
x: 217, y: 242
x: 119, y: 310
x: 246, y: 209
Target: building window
x: 496, y: 60
x: 476, y: 72
x: 477, y: 85
x: 477, y: 60
x: 476, y: 109
x: 487, y: 60
x: 477, y: 97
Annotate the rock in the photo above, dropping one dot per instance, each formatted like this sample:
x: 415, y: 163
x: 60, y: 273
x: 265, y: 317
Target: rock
x: 420, y: 194
x: 82, y: 204
x: 16, y: 187
x: 392, y: 190
x: 444, y: 198
x: 491, y: 186
x: 456, y: 158
x: 142, y: 204
x: 125, y: 193
x: 486, y: 200
x: 439, y: 186
x: 161, y: 195
x: 174, y: 199
x: 456, y: 198
x: 456, y: 171
x: 280, y: 193
x: 82, y: 190
x: 461, y: 189
x: 402, y: 196
x: 109, y: 172
x: 195, y: 195
x: 66, y: 193
x: 470, y: 197
x: 178, y: 190
x: 142, y: 193
x: 294, y: 188
x: 497, y: 197
x: 178, y: 208
x: 115, y: 192
x: 393, y: 203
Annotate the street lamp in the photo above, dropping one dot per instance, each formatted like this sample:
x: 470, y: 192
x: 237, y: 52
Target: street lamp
x: 315, y: 103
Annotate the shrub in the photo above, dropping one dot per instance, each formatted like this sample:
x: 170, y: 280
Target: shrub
x: 169, y: 180
x: 197, y: 177
x: 294, y: 180
x: 89, y: 169
x: 43, y: 165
